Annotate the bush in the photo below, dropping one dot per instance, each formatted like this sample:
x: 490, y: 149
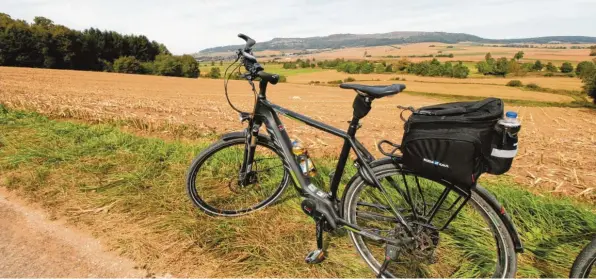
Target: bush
x: 551, y: 68
x: 449, y: 46
x: 549, y: 74
x: 532, y: 86
x: 283, y: 78
x: 167, y: 65
x: 339, y: 81
x: 593, y: 52
x: 584, y: 68
x: 538, y: 66
x: 190, y: 67
x: 431, y: 46
x: 289, y: 65
x: 566, y: 67
x: 127, y: 65
x: 589, y: 80
x: 515, y: 83
x: 349, y: 79
x: 215, y: 72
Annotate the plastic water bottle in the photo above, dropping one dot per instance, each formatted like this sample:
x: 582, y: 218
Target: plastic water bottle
x: 510, y: 123
x: 306, y: 164
x: 508, y: 127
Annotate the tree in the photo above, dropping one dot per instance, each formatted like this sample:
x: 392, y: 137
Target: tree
x: 488, y: 57
x: 190, y: 67
x: 501, y: 67
x: 519, y: 55
x: 389, y: 68
x: 583, y: 68
x: 167, y: 65
x: 221, y: 63
x: 379, y: 69
x: 566, y: 67
x: 212, y: 63
x: 589, y: 80
x: 514, y: 67
x: 460, y: 70
x: 538, y: 66
x: 483, y: 67
x: 214, y: 73
x: 366, y: 68
x: 127, y: 65
x: 551, y: 68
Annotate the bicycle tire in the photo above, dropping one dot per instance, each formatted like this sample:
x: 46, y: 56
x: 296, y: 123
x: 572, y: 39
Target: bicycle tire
x: 507, y: 258
x: 201, y: 202
x: 585, y: 261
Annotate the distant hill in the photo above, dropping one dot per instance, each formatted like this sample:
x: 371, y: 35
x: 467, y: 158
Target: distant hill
x: 354, y: 40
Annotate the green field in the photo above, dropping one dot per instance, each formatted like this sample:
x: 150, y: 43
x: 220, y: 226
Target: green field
x: 273, y: 68
x: 65, y: 166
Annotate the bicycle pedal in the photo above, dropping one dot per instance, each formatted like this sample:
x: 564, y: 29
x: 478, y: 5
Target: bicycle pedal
x: 315, y: 257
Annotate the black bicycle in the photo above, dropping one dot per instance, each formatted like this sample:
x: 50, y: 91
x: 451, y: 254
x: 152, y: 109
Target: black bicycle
x: 401, y: 222
x: 585, y: 262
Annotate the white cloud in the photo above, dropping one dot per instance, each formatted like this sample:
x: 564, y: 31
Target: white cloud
x: 187, y: 26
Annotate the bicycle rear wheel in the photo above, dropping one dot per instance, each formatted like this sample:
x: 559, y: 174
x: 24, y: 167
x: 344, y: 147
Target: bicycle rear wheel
x: 213, y: 183
x: 475, y: 244
x: 583, y: 266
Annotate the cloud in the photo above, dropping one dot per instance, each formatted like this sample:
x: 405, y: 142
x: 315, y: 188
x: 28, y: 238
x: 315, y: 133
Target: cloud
x: 187, y: 26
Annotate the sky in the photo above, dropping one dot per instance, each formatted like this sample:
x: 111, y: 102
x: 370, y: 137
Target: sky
x: 187, y: 26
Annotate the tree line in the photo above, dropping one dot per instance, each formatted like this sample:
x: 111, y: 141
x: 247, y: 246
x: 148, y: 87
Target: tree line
x: 44, y: 44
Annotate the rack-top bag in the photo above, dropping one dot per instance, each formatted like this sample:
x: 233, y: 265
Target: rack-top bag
x: 454, y: 141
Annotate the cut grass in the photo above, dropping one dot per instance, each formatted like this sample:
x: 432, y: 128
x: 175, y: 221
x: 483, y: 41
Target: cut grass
x: 129, y: 191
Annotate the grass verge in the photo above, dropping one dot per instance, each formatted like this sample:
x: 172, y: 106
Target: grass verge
x: 129, y: 191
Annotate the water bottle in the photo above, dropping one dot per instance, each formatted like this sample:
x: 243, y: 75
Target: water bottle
x: 306, y: 164
x: 507, y: 128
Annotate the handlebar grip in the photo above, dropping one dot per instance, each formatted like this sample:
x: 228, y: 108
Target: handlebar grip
x: 271, y: 78
x: 249, y: 42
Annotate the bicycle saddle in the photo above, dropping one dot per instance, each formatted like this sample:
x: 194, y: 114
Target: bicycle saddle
x: 375, y: 91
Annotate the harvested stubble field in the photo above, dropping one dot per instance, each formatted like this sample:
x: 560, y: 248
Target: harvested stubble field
x: 564, y: 83
x: 461, y: 52
x: 557, y: 144
x: 467, y: 87
x: 128, y: 190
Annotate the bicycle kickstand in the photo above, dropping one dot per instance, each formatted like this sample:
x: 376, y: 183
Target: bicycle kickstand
x: 318, y: 255
x: 391, y: 254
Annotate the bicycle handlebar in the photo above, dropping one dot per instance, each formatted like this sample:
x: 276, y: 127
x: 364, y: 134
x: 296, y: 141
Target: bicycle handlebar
x: 249, y: 41
x: 250, y: 62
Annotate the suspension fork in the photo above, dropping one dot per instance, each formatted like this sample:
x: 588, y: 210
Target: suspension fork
x: 245, y: 176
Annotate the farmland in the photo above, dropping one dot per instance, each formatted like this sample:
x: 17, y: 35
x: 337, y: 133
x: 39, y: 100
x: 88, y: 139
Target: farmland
x: 556, y: 142
x: 125, y: 142
x: 461, y: 51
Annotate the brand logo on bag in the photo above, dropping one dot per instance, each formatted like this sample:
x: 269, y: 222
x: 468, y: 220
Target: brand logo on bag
x: 436, y: 163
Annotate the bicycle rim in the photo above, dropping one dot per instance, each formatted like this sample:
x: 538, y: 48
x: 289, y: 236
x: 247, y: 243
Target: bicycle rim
x: 474, y: 244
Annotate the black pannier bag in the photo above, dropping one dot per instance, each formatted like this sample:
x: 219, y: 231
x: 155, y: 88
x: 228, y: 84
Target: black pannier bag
x: 454, y: 141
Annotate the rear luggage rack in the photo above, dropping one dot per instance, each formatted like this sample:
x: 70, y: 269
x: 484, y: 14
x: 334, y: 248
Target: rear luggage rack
x: 393, y: 145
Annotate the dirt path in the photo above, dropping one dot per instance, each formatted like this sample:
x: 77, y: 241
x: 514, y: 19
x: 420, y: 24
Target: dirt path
x: 33, y: 246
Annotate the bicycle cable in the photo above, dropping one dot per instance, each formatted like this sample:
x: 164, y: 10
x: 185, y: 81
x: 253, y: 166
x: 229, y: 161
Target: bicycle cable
x: 227, y: 79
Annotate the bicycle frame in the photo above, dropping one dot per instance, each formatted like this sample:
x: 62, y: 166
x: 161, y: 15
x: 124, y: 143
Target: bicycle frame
x: 266, y: 112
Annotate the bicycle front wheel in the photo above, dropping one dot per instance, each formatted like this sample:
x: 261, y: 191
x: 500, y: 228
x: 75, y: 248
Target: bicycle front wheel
x: 213, y: 181
x: 583, y: 267
x: 476, y: 243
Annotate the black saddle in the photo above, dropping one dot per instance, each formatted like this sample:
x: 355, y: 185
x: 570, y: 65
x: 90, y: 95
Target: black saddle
x: 375, y: 91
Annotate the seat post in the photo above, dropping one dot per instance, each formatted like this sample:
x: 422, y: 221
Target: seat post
x: 345, y: 151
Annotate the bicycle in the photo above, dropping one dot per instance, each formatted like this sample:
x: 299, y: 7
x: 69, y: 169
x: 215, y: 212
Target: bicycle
x: 585, y: 262
x: 396, y: 227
